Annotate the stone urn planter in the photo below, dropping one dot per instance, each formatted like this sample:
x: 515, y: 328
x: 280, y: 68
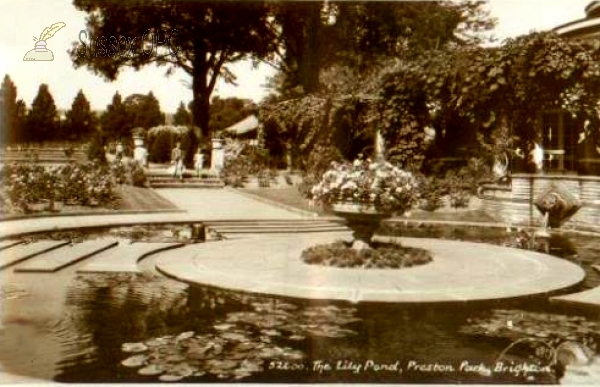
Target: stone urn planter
x: 362, y: 219
x: 56, y: 205
x: 38, y: 206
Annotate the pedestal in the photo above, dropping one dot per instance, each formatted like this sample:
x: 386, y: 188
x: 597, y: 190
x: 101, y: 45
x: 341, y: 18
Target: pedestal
x: 140, y: 154
x: 217, y: 159
x: 363, y: 220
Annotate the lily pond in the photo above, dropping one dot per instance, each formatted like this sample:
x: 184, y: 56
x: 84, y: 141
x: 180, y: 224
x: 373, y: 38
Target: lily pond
x: 127, y: 327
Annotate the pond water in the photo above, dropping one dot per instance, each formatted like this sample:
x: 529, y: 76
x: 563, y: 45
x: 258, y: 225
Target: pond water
x: 73, y: 327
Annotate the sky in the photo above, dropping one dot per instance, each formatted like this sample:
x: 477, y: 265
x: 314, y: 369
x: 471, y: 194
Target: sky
x: 21, y: 20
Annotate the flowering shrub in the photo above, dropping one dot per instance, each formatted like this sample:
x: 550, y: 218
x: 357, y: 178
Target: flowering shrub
x: 80, y: 184
x: 242, y: 160
x: 378, y: 184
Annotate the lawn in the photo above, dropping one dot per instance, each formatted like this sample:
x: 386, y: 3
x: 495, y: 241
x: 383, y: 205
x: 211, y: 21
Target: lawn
x: 141, y: 199
x: 290, y: 196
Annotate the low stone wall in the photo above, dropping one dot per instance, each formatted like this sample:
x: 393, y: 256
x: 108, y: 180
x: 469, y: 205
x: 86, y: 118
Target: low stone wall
x: 515, y: 204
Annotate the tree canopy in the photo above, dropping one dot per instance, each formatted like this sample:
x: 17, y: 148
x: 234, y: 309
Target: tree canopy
x: 8, y: 111
x: 115, y: 121
x: 144, y: 111
x: 313, y: 36
x: 80, y: 121
x: 225, y: 112
x: 42, y: 121
x: 200, y: 38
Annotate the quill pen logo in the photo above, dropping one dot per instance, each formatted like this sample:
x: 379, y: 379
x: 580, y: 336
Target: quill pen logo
x: 40, y: 52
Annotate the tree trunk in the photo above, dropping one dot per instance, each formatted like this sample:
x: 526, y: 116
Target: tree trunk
x: 201, y: 102
x: 309, y: 65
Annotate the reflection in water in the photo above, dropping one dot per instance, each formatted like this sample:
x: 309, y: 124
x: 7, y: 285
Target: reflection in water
x: 144, y: 328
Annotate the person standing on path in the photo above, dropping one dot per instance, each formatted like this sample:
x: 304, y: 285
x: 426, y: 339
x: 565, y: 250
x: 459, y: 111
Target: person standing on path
x: 177, y: 161
x: 198, y: 161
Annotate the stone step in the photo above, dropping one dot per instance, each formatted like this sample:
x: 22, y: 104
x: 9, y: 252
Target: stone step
x: 21, y: 252
x: 60, y: 258
x: 291, y: 229
x: 186, y: 185
x: 276, y: 226
x: 185, y: 177
x: 280, y: 230
x: 9, y: 243
x: 125, y: 257
x: 267, y: 222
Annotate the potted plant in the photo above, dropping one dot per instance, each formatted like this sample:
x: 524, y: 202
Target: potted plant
x: 365, y: 192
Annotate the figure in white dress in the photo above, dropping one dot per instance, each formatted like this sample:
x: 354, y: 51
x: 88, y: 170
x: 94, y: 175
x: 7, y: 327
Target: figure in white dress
x: 177, y: 161
x: 198, y: 162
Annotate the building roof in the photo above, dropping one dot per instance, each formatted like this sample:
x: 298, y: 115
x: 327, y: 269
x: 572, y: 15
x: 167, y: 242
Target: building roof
x: 587, y: 28
x: 244, y: 126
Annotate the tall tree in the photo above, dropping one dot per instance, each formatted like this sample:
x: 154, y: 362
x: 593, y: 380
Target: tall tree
x: 144, y: 110
x: 80, y: 121
x: 115, y: 121
x: 8, y: 111
x: 315, y: 35
x: 200, y: 38
x: 227, y: 111
x: 20, y: 121
x: 42, y: 120
x: 182, y: 116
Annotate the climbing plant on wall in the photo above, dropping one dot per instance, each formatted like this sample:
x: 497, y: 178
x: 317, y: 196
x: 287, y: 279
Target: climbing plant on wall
x: 498, y: 87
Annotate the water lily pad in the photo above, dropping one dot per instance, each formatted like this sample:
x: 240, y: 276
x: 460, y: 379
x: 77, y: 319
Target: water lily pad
x: 223, y: 327
x: 134, y: 347
x: 135, y: 361
x: 184, y: 370
x: 174, y: 358
x: 151, y: 370
x: 245, y: 347
x: 239, y: 374
x: 233, y: 336
x: 269, y: 353
x: 236, y: 355
x: 185, y: 336
x: 297, y: 337
x: 170, y: 378
x: 254, y: 365
x: 291, y: 354
x: 157, y: 342
x: 217, y: 366
x: 270, y: 332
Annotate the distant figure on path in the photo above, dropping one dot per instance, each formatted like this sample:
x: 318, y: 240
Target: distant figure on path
x: 119, y: 151
x: 177, y: 161
x: 198, y: 161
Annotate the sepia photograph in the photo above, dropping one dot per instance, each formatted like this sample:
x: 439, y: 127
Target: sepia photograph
x: 300, y: 192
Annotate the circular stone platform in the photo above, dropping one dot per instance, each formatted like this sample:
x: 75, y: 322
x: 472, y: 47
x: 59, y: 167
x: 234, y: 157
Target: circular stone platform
x: 460, y: 271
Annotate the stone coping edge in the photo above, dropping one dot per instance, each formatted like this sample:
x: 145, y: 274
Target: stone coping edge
x: 89, y: 213
x: 214, y: 272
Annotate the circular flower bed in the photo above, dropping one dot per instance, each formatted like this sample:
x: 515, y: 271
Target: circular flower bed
x: 339, y: 254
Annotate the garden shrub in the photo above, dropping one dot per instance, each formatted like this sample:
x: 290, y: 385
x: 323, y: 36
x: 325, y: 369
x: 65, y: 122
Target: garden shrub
x: 73, y: 183
x: 243, y: 160
x: 319, y: 161
x: 431, y: 193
